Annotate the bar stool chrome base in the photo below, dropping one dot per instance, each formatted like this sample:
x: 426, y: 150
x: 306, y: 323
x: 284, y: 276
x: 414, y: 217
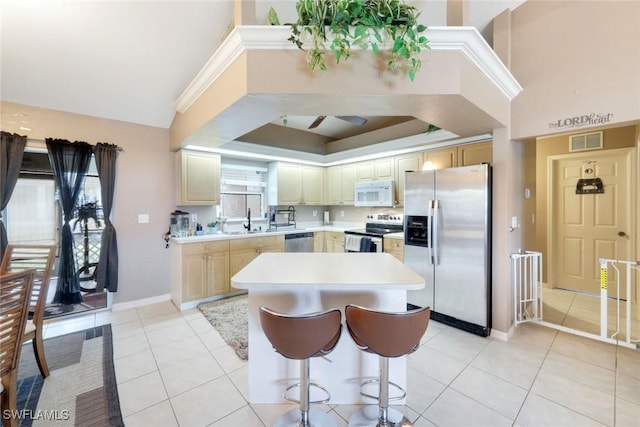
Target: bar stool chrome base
x: 369, y: 417
x: 317, y: 418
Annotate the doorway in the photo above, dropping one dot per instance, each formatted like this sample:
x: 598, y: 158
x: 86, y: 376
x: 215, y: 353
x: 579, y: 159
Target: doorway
x: 33, y: 216
x: 587, y: 224
x: 584, y: 226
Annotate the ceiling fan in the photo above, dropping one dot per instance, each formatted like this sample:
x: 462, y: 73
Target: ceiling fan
x: 356, y: 120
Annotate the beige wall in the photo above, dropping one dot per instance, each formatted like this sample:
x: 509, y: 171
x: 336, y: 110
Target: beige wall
x: 529, y: 205
x: 574, y: 58
x: 557, y: 145
x: 571, y: 60
x: 144, y: 185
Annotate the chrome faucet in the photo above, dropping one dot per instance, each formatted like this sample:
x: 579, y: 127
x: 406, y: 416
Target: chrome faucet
x: 248, y: 226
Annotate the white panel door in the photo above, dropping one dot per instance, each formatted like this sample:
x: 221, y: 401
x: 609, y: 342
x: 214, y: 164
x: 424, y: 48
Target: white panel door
x: 587, y: 227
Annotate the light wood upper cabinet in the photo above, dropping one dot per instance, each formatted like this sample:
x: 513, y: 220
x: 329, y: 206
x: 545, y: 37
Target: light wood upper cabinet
x: 364, y: 171
x: 404, y: 163
x: 375, y: 170
x: 384, y: 168
x: 460, y: 155
x: 340, y: 184
x: 285, y: 183
x: 334, y: 183
x: 295, y: 184
x: 197, y: 178
x: 312, y: 185
x: 442, y: 158
x: 475, y: 154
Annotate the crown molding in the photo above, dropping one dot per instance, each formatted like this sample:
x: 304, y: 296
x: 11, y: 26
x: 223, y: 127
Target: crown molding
x: 470, y: 42
x: 467, y: 40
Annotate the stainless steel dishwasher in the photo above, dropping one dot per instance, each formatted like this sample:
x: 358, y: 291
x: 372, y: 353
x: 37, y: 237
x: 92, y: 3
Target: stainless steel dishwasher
x: 298, y: 242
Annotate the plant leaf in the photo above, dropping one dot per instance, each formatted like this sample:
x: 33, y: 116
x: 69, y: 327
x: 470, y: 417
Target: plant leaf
x: 273, y: 17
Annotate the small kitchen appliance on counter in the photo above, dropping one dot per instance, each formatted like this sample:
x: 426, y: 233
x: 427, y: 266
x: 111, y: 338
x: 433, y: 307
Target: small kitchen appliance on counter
x: 179, y: 226
x: 371, y: 238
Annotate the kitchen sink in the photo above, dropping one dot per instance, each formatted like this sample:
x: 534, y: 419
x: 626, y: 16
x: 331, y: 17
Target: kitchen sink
x: 239, y: 233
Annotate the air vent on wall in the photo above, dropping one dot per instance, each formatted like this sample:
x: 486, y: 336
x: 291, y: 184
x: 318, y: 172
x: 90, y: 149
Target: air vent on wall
x: 585, y: 141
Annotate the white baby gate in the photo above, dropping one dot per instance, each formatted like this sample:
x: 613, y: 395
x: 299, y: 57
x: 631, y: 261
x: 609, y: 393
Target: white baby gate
x: 528, y: 302
x: 527, y: 286
x: 617, y: 265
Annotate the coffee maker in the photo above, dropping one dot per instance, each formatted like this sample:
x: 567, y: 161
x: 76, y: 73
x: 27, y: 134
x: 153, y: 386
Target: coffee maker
x: 179, y: 226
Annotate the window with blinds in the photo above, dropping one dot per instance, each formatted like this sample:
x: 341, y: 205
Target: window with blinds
x: 242, y: 188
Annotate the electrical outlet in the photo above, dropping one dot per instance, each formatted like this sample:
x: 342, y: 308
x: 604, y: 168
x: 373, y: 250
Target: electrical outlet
x: 143, y: 218
x: 315, y: 212
x: 194, y: 218
x: 342, y: 214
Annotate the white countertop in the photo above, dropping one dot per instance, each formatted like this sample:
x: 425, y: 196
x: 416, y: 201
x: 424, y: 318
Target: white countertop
x: 326, y: 271
x: 228, y: 236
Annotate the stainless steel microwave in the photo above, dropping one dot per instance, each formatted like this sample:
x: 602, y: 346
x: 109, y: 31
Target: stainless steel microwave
x: 375, y: 193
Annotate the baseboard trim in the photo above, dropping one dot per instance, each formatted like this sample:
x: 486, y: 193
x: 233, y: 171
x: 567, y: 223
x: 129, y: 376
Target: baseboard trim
x: 193, y: 304
x: 119, y: 306
x: 503, y: 336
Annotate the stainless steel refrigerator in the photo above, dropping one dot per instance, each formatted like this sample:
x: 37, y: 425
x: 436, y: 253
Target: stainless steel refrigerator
x: 447, y: 215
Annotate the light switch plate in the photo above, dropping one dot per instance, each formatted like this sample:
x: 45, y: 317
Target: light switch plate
x: 143, y: 219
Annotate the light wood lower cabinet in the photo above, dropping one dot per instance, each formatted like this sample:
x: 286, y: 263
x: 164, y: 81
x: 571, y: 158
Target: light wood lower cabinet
x: 334, y: 241
x: 318, y: 241
x: 243, y: 251
x: 395, y: 247
x: 203, y: 272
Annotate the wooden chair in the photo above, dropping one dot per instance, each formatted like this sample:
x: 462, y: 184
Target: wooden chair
x: 15, y: 289
x: 40, y: 258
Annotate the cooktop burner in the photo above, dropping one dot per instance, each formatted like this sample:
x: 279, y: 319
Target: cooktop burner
x: 381, y: 224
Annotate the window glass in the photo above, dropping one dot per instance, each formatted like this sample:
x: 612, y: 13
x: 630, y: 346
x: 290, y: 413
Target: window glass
x: 242, y: 188
x: 31, y: 216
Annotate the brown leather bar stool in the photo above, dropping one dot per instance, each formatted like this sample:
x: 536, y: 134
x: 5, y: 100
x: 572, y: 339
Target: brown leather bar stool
x: 301, y: 337
x: 388, y: 335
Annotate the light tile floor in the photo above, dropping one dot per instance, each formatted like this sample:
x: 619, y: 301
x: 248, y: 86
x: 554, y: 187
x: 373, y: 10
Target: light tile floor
x: 582, y: 312
x: 173, y: 369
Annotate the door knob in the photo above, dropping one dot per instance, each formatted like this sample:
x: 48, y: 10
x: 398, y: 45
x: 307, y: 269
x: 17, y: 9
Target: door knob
x: 621, y: 233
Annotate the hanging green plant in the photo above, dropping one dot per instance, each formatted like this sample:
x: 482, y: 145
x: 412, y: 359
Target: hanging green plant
x: 362, y: 23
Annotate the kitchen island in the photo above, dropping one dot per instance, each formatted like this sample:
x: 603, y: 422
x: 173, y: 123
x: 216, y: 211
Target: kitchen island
x: 298, y: 283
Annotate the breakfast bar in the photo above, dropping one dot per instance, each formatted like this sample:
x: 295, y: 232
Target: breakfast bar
x: 299, y: 283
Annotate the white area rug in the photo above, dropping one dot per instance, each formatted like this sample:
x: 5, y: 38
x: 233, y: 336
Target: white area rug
x: 229, y: 317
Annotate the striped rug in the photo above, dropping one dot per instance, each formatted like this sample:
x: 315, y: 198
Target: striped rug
x: 81, y: 389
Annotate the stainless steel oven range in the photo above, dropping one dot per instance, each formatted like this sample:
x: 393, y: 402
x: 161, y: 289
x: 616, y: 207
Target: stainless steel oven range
x: 370, y: 239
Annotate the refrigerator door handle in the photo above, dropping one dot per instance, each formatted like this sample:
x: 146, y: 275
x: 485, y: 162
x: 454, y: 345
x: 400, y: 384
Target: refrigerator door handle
x: 430, y: 233
x: 436, y: 232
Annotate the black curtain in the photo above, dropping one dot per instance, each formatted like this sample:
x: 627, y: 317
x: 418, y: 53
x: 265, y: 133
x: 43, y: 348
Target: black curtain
x: 107, y: 274
x: 11, y: 153
x: 70, y: 163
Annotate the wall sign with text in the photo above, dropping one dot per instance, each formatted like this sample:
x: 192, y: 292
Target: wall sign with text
x: 592, y: 119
